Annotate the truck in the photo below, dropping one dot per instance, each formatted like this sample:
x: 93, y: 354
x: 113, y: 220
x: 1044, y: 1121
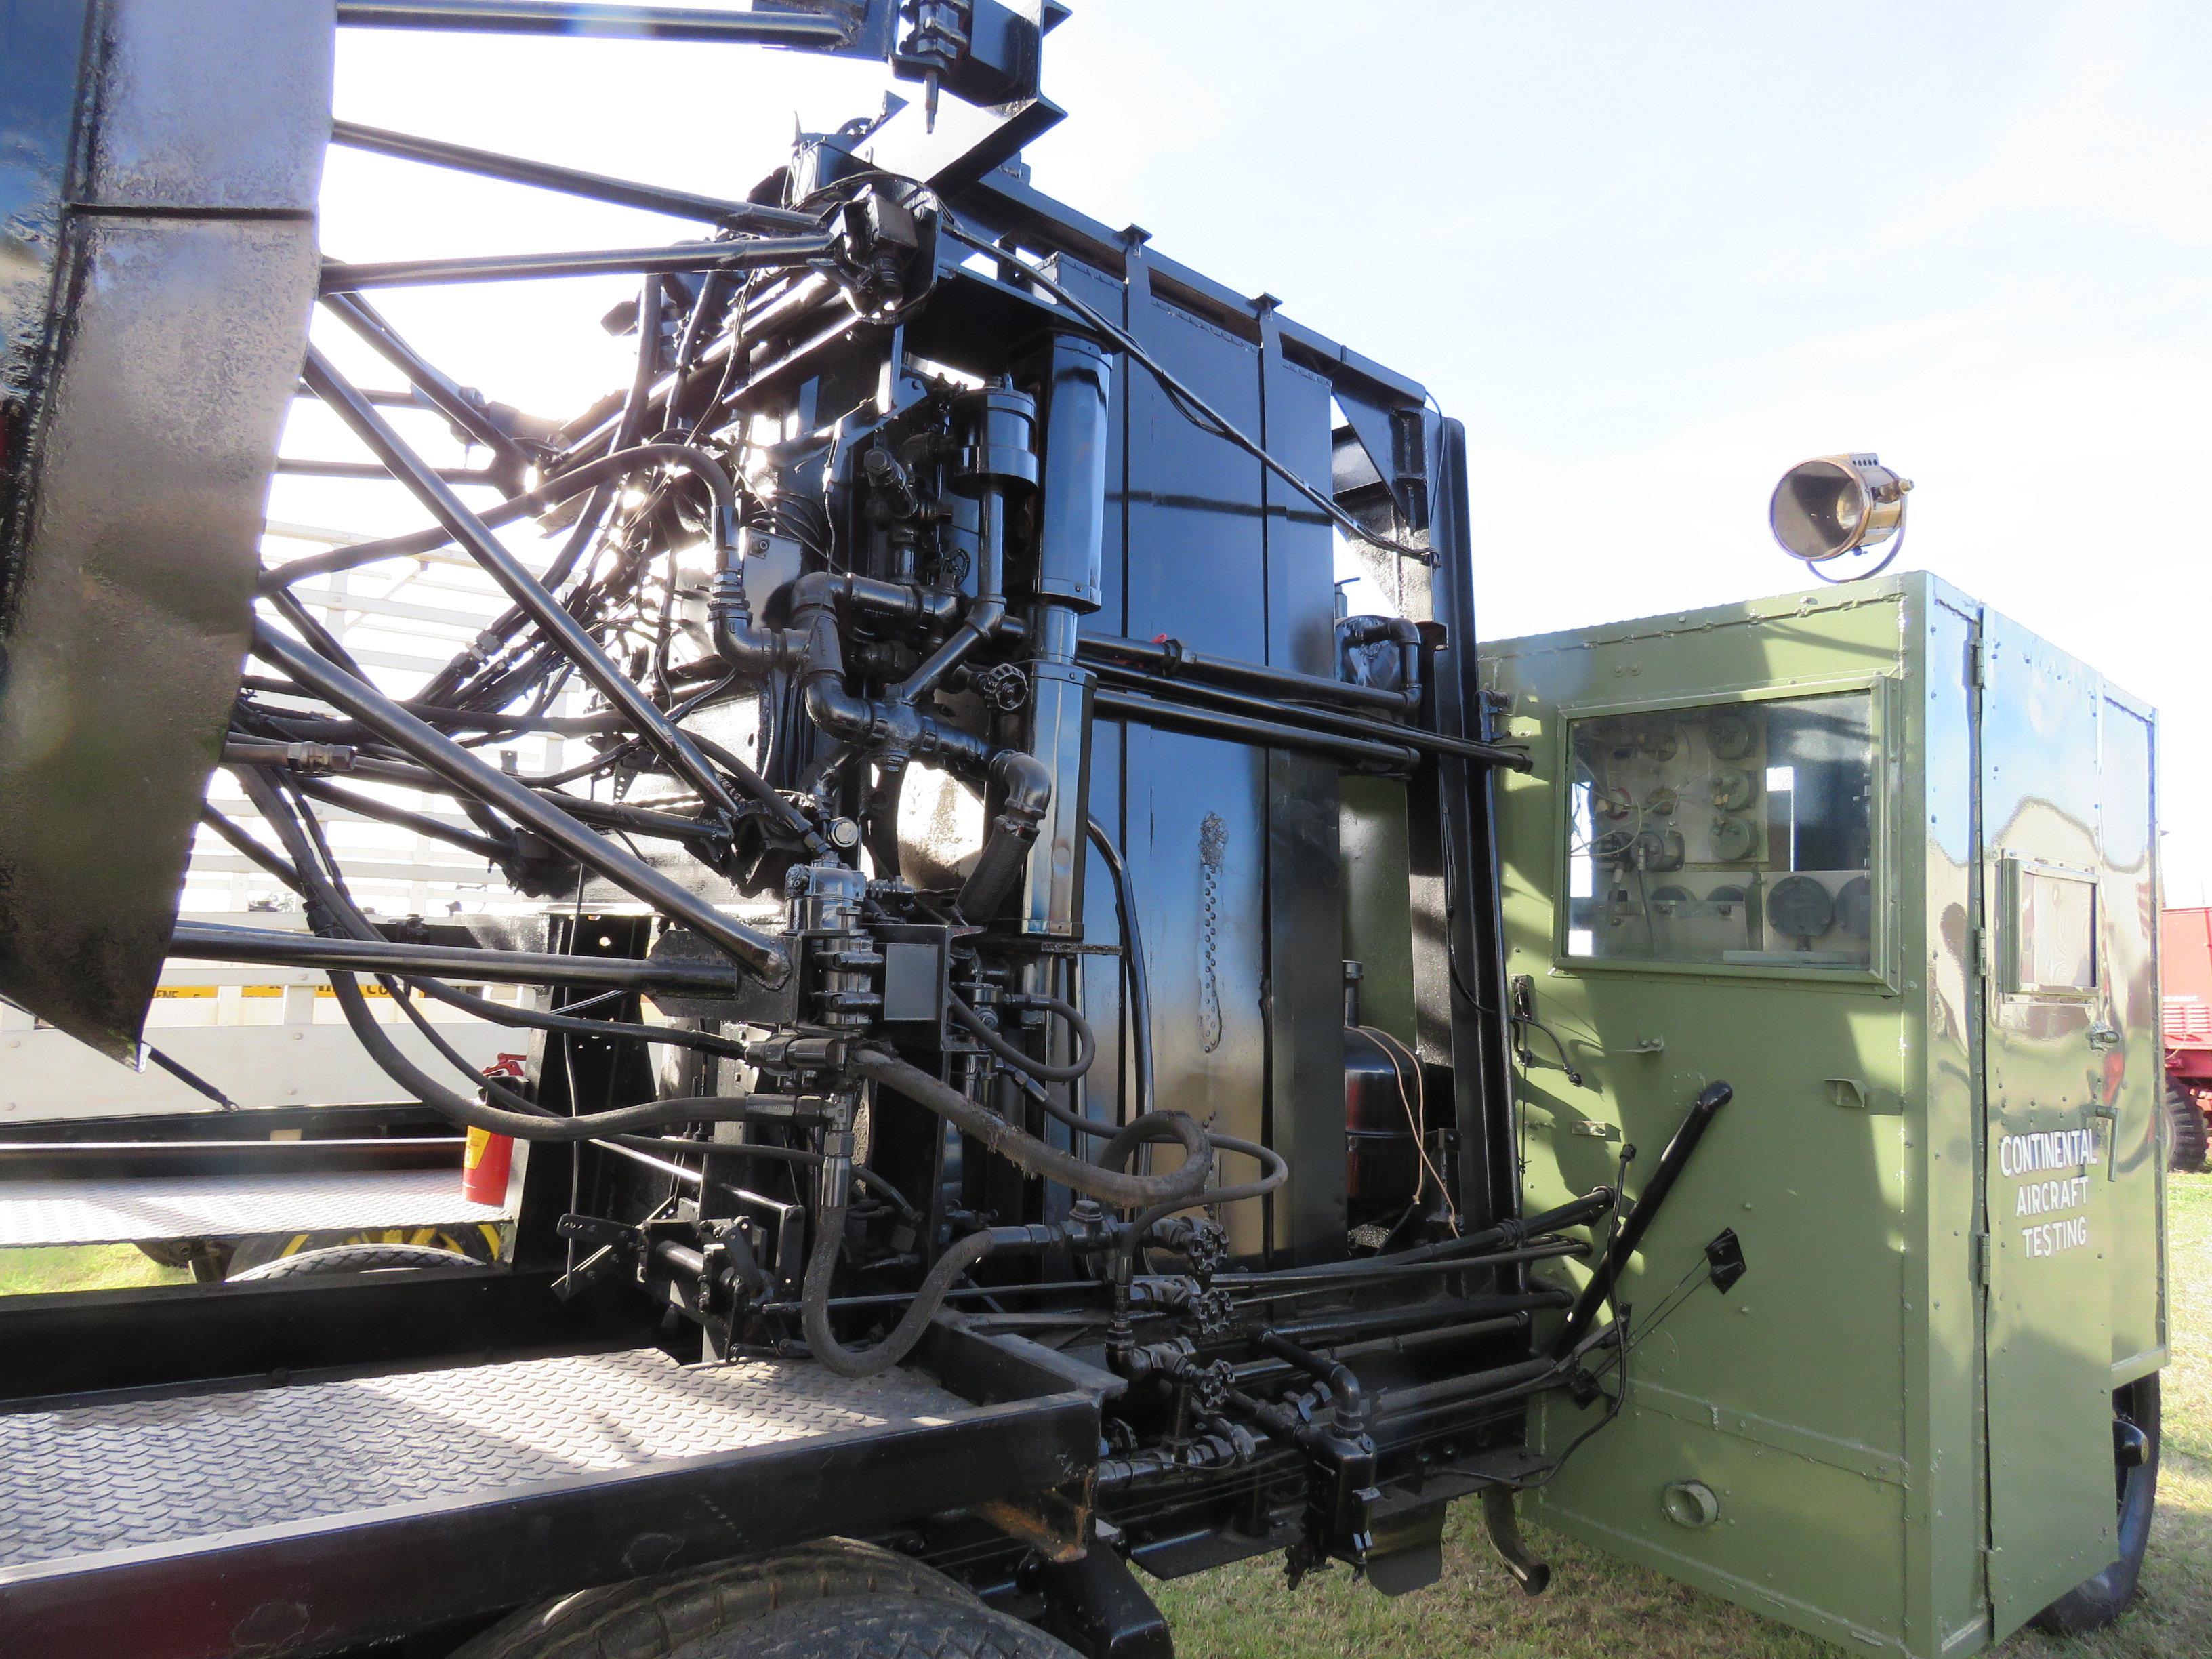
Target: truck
x: 970, y: 1033
x: 2186, y: 981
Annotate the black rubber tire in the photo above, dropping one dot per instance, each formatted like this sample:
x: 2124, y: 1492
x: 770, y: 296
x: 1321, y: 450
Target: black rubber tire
x: 2095, y: 1604
x: 831, y: 1596
x: 353, y: 1259
x: 476, y: 1242
x: 2188, y: 1140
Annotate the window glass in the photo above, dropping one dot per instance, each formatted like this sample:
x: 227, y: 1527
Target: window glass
x: 1738, y: 833
x: 2056, y: 933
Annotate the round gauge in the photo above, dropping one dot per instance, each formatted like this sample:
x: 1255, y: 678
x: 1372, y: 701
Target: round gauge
x: 1659, y: 849
x: 1725, y: 899
x: 1661, y: 803
x: 1732, y: 790
x: 1614, y: 803
x: 1800, y: 907
x: 1733, y: 839
x: 1854, y: 907
x: 1614, y: 847
x: 1732, y: 736
x: 1670, y: 895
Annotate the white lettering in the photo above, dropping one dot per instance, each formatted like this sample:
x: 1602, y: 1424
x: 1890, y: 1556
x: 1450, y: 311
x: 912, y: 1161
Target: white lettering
x: 2058, y: 1149
x: 2053, y: 1237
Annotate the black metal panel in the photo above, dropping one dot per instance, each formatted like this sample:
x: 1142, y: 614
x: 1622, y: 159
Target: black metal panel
x: 1197, y: 807
x: 185, y: 265
x: 1304, y: 923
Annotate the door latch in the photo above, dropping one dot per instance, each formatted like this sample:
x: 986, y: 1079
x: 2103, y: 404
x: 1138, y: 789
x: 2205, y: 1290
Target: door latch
x: 2102, y: 1035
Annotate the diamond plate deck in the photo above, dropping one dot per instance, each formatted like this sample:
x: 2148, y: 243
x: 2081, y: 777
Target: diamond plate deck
x: 232, y: 1206
x: 172, y: 1471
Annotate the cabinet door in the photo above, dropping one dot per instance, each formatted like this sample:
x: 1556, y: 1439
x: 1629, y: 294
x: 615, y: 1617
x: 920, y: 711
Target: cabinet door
x: 2052, y: 1025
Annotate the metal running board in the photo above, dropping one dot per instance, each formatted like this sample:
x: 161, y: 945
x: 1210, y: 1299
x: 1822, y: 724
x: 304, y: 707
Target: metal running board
x: 134, y: 1210
x: 195, y: 1469
x: 324, y: 1515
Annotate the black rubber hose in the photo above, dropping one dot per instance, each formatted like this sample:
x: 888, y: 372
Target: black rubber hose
x: 1087, y: 1042
x: 814, y: 1300
x: 1133, y: 968
x: 1107, y: 1184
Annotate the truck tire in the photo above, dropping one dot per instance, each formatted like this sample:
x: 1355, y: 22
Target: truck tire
x: 479, y: 1242
x: 2188, y: 1140
x: 352, y: 1259
x: 2095, y: 1604
x: 831, y: 1597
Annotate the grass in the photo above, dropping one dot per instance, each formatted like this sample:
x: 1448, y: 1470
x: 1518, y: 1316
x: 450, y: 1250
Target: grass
x: 82, y: 1267
x: 1600, y: 1608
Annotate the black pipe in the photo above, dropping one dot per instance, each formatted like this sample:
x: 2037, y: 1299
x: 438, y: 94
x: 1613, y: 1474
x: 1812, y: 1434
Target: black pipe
x: 753, y: 253
x: 200, y: 941
x: 1351, y: 1401
x: 1358, y: 753
x: 421, y: 822
x: 434, y: 388
x: 582, y: 17
x: 1643, y: 1213
x: 759, y: 953
x: 556, y: 489
x: 1325, y: 719
x: 562, y: 629
x: 296, y: 466
x: 606, y: 815
x: 1464, y: 1389
x: 1327, y: 1332
x: 1179, y: 661
x: 570, y: 181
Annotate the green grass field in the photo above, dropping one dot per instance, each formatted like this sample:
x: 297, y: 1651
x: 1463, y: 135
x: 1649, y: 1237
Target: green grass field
x: 1598, y: 1608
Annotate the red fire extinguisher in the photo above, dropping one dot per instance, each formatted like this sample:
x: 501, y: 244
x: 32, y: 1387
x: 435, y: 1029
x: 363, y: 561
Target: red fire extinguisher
x: 486, y: 1157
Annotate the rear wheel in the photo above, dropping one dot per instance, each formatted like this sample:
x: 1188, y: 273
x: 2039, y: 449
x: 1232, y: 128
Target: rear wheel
x: 479, y: 1242
x: 2095, y: 1604
x: 353, y: 1259
x: 2188, y: 1140
x: 827, y: 1600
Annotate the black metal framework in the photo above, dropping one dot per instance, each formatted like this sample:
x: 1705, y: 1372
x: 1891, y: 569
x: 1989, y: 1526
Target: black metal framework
x: 1049, y: 519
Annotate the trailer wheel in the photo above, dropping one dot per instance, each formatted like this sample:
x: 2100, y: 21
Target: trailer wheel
x: 353, y: 1259
x: 2188, y: 1138
x: 2095, y: 1604
x: 479, y: 1243
x: 831, y: 1597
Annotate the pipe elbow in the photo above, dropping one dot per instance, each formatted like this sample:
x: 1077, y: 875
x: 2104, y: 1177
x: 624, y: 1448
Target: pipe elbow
x: 1026, y: 780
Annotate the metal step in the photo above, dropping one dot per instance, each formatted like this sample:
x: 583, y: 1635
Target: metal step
x: 190, y: 1470
x: 315, y: 1516
x: 138, y: 1210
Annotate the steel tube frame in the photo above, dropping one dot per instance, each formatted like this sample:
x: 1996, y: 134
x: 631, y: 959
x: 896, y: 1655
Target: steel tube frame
x: 563, y: 630
x: 570, y: 181
x: 197, y: 941
x: 572, y: 17
x: 760, y: 253
x: 759, y: 953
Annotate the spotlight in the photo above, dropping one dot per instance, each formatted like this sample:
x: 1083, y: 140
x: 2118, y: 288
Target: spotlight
x: 1836, y: 504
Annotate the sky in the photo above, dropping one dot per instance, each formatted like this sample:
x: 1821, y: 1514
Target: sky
x: 1650, y: 255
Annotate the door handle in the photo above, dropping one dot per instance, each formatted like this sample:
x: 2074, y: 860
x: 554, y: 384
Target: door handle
x: 2110, y: 1116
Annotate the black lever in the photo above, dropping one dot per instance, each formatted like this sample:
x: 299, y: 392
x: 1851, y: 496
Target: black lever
x: 1630, y: 1233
